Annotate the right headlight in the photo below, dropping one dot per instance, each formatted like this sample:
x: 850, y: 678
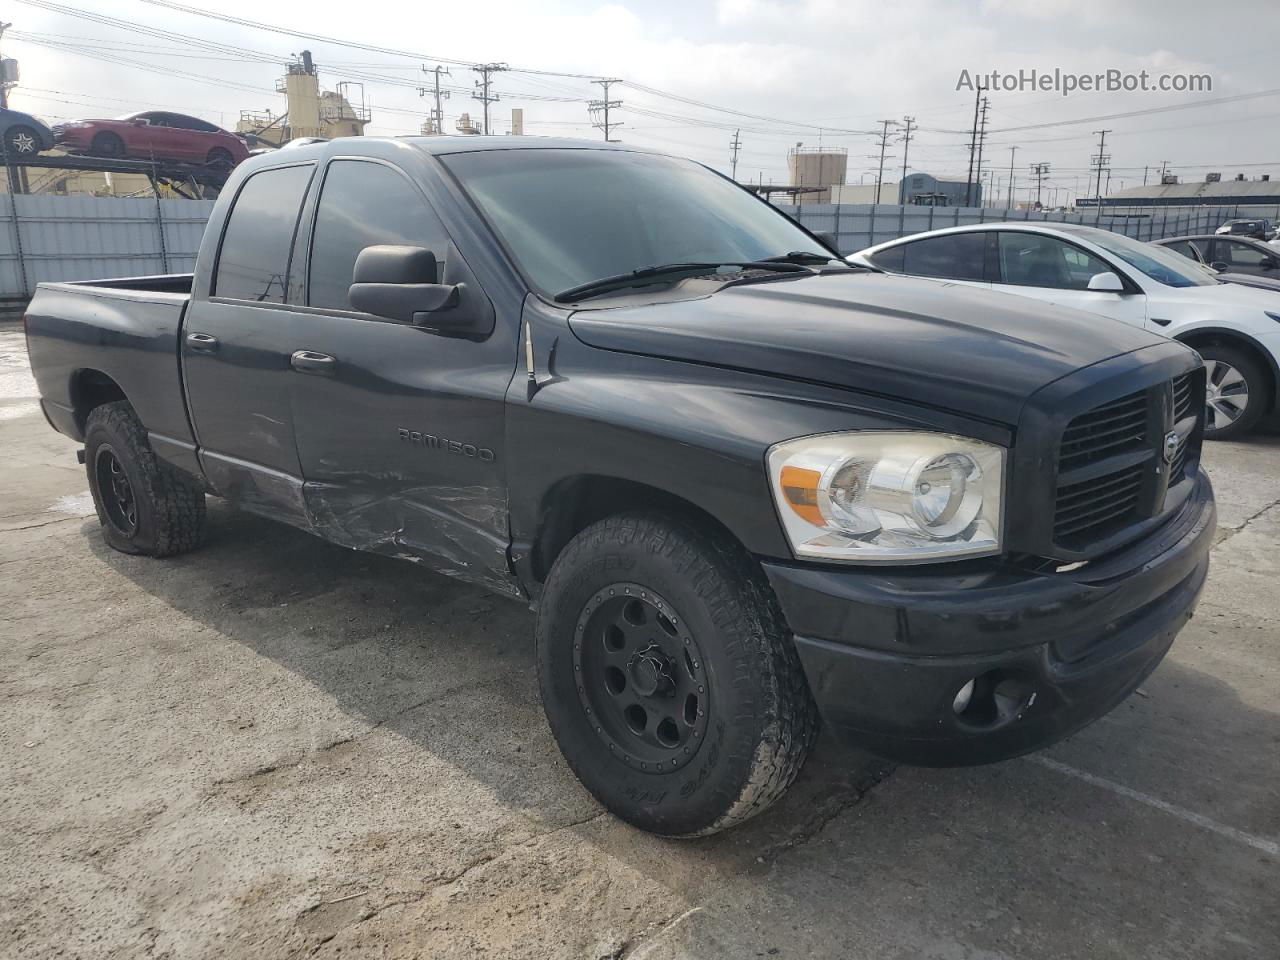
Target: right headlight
x: 889, y: 497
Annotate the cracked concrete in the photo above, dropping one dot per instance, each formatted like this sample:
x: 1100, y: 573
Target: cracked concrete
x: 279, y: 748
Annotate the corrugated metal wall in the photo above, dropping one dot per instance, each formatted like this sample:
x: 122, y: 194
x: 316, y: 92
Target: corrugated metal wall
x: 89, y: 238
x: 860, y: 225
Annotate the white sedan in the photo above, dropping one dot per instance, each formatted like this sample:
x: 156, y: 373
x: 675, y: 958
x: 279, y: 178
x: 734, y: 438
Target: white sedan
x: 1235, y: 328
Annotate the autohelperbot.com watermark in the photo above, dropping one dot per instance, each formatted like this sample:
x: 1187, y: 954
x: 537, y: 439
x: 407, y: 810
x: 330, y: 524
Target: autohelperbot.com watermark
x: 1065, y: 82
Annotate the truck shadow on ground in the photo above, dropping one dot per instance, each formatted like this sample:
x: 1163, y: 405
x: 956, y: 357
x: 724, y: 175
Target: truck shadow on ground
x: 450, y: 667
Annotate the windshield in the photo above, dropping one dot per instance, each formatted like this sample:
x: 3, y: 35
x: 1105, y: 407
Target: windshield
x: 1159, y: 263
x: 573, y: 216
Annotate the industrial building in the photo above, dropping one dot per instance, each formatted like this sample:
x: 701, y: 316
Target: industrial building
x: 817, y: 167
x: 864, y: 193
x: 924, y: 189
x: 1211, y: 191
x: 309, y: 111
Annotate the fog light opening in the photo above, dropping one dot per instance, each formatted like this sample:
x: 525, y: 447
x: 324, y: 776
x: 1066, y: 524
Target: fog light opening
x: 993, y: 699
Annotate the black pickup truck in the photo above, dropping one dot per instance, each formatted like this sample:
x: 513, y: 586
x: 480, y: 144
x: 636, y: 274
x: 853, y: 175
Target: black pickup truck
x: 743, y: 484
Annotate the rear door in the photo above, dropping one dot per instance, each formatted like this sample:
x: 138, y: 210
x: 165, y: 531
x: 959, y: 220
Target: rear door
x: 236, y: 347
x: 1048, y: 268
x: 399, y: 429
x: 958, y: 257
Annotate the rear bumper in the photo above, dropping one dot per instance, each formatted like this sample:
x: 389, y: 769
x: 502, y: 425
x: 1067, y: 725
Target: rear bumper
x: 887, y: 654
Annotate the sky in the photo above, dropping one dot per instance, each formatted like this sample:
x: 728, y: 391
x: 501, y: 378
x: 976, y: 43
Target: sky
x: 782, y: 72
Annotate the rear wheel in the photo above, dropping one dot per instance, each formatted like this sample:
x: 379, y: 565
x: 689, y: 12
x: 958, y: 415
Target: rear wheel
x: 144, y: 505
x: 219, y: 157
x: 667, y: 675
x: 107, y: 145
x: 1237, y: 392
x: 21, y: 141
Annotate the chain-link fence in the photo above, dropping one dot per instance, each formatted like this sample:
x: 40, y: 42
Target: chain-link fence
x: 861, y: 225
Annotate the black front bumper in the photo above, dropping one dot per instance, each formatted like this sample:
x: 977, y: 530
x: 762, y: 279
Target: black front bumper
x: 887, y: 651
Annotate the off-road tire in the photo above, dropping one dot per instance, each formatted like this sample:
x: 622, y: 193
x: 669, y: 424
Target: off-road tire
x: 1259, y: 385
x: 170, y: 509
x: 107, y: 145
x: 762, y: 721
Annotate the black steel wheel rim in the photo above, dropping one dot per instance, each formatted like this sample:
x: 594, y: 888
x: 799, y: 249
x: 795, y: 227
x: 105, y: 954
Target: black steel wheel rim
x: 641, y: 678
x: 118, y: 501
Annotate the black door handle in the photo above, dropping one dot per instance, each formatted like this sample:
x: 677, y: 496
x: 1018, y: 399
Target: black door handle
x: 308, y: 361
x: 202, y: 343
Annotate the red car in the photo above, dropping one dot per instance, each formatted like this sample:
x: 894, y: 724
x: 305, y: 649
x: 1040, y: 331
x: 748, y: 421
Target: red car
x: 153, y: 134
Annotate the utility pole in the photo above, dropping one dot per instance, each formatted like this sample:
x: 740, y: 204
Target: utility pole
x: 1038, y: 170
x: 437, y: 115
x: 1145, y: 170
x: 908, y: 123
x: 1009, y: 202
x: 486, y: 71
x: 4, y: 86
x: 973, y: 143
x: 1100, y: 161
x: 982, y: 137
x: 1164, y: 166
x: 600, y: 108
x: 884, y: 142
x: 735, y: 144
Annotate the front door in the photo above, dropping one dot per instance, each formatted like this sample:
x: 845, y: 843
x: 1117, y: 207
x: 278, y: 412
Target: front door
x: 1047, y: 268
x: 236, y: 349
x: 1238, y: 256
x: 399, y: 430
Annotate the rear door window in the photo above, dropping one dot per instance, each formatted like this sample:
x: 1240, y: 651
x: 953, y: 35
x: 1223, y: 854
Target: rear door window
x: 891, y: 259
x: 952, y: 256
x: 253, y: 263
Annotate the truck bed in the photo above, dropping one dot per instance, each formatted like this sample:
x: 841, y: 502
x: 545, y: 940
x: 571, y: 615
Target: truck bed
x: 103, y: 338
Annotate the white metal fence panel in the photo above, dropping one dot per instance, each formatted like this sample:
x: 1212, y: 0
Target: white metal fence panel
x: 45, y: 237
x: 860, y: 225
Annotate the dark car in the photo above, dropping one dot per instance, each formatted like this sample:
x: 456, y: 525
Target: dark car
x: 1228, y: 254
x: 1259, y: 229
x: 153, y: 135
x: 22, y: 135
x: 743, y: 484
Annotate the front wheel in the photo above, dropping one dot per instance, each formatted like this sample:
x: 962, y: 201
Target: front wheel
x: 667, y: 676
x: 144, y: 505
x: 21, y: 141
x: 1237, y: 392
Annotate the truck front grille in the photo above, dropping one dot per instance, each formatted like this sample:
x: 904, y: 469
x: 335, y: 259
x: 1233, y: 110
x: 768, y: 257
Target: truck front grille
x: 1115, y: 468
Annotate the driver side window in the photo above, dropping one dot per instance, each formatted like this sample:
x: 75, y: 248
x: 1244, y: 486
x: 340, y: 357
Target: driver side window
x: 1033, y: 260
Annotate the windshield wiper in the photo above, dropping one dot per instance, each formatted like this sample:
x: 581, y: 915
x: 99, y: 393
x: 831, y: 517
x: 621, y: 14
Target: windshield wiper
x: 801, y: 256
x: 621, y: 280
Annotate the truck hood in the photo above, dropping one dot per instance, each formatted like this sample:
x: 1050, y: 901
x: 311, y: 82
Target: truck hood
x: 938, y: 344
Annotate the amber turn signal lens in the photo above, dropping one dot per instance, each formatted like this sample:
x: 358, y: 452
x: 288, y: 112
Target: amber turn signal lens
x: 800, y: 487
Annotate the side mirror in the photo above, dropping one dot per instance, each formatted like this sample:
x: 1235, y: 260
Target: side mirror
x: 1106, y: 283
x: 401, y: 283
x: 1268, y: 263
x: 1219, y: 265
x: 138, y: 122
x: 828, y: 240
